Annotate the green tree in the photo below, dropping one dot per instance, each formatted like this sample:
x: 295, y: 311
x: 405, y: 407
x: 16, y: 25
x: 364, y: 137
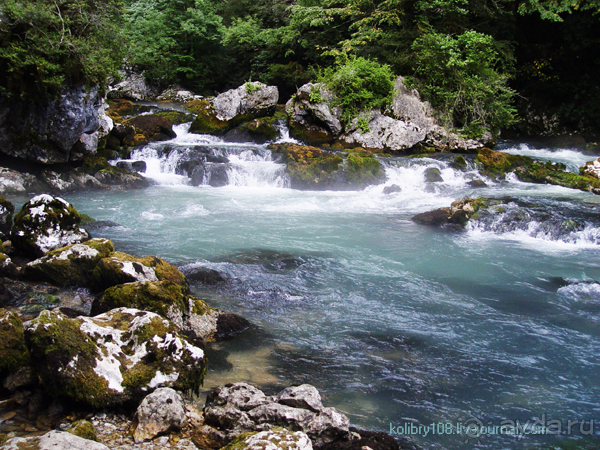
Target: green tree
x: 47, y: 43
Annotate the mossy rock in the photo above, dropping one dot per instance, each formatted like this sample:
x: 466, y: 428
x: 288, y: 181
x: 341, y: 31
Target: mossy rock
x: 72, y: 265
x: 196, y: 106
x: 149, y: 128
x: 93, y: 164
x: 555, y: 173
x: 7, y: 211
x: 13, y: 351
x: 121, y: 268
x: 113, y: 358
x: 175, y: 117
x: 498, y: 164
x: 363, y: 170
x: 312, y: 135
x: 459, y: 163
x: 120, y: 107
x: 45, y: 223
x: 84, y: 429
x: 206, y: 121
x: 157, y: 297
x: 263, y: 129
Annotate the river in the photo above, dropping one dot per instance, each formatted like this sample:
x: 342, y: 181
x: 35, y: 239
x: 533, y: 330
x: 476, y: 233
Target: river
x: 398, y: 325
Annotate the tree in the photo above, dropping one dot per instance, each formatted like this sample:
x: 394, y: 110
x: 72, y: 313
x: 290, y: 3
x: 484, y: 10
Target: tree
x: 47, y: 43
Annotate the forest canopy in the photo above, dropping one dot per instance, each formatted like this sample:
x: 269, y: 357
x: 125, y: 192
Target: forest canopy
x: 470, y: 58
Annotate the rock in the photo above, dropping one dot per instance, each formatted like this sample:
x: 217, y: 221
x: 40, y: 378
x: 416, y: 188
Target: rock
x: 441, y: 139
x: 106, y: 123
x: 52, y: 127
x: 455, y: 217
x: 408, y: 107
x: 53, y: 440
x: 238, y: 408
x: 204, y: 275
x: 258, y: 131
x: 159, y: 412
x: 19, y: 379
x: 385, y: 133
x: 13, y: 182
x: 133, y: 87
x: 13, y: 352
x: 175, y: 117
x: 112, y: 358
x: 304, y: 396
x: 84, y: 429
x: 477, y: 183
x: 121, y: 268
x: 72, y: 265
x: 312, y: 116
x: 433, y: 175
x: 374, y: 440
x: 497, y: 164
x: 591, y: 169
x: 249, y: 101
x: 6, y: 217
x: 392, y: 189
x: 45, y: 223
x: 276, y: 439
x: 132, y: 166
x: 206, y: 437
x: 152, y: 127
x: 176, y: 94
x: 312, y: 168
x: 212, y: 174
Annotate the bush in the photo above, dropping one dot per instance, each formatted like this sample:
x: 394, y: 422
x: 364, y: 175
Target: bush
x: 465, y: 78
x: 359, y: 85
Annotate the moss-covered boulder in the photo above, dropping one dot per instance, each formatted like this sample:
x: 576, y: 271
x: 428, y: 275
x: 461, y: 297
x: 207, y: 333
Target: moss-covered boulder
x: 192, y: 316
x: 497, y: 164
x: 112, y: 358
x: 249, y: 101
x: 7, y: 210
x: 455, y: 217
x: 150, y: 127
x: 72, y: 265
x: 175, y: 117
x: 313, y: 168
x: 591, y: 169
x: 108, y: 175
x: 555, y: 173
x: 13, y: 351
x: 45, y: 223
x: 84, y: 429
x: 121, y: 268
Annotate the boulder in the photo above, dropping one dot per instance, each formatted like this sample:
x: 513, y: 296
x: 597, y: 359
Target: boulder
x: 408, y: 107
x: 119, y: 268
x: 7, y: 210
x: 591, y: 169
x: 275, y: 439
x: 132, y: 166
x: 238, y: 408
x: 221, y: 114
x: 13, y: 182
x: 312, y: 116
x: 13, y: 352
x: 392, y: 189
x: 111, y: 358
x: 161, y: 411
x: 52, y: 127
x: 433, y: 175
x: 72, y: 265
x: 132, y: 87
x: 53, y: 440
x: 455, y: 217
x: 177, y: 94
x: 152, y: 127
x: 45, y: 223
x: 212, y: 174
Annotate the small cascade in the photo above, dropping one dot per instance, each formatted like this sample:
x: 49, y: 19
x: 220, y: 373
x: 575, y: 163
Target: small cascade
x: 203, y: 160
x: 284, y: 133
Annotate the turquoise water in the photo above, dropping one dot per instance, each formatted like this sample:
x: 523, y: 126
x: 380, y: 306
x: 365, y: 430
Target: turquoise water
x: 394, y: 322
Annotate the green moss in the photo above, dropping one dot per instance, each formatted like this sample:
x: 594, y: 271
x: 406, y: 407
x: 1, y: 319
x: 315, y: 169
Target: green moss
x: 252, y: 87
x: 86, y: 220
x: 206, y: 121
x: 363, y: 169
x: 175, y: 117
x: 13, y: 351
x: 555, y: 173
x: 156, y: 297
x: 93, y: 164
x: 84, y: 429
x: 459, y: 162
x: 263, y: 128
x: 310, y: 136
x: 498, y: 164
x: 200, y: 307
x: 3, y: 438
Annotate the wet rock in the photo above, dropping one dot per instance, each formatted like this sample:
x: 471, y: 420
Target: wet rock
x: 477, y: 183
x: 312, y: 116
x: 204, y: 275
x: 591, y: 169
x: 7, y: 210
x: 206, y: 437
x: 455, y: 217
x: 229, y: 325
x: 211, y: 174
x: 121, y: 268
x: 132, y: 166
x: 13, y: 182
x: 238, y: 408
x: 24, y: 376
x: 221, y: 114
x: 151, y: 127
x: 45, y: 223
x: 47, y: 131
x: 54, y: 440
x: 433, y: 175
x: 374, y: 440
x: 392, y: 189
x: 159, y: 412
x: 14, y: 355
x: 72, y: 265
x: 111, y: 358
x: 276, y: 439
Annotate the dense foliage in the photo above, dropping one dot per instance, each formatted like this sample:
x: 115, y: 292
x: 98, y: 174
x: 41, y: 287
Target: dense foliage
x: 45, y: 43
x: 468, y: 57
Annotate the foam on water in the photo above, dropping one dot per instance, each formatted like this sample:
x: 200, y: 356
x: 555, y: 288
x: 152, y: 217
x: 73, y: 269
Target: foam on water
x: 573, y: 159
